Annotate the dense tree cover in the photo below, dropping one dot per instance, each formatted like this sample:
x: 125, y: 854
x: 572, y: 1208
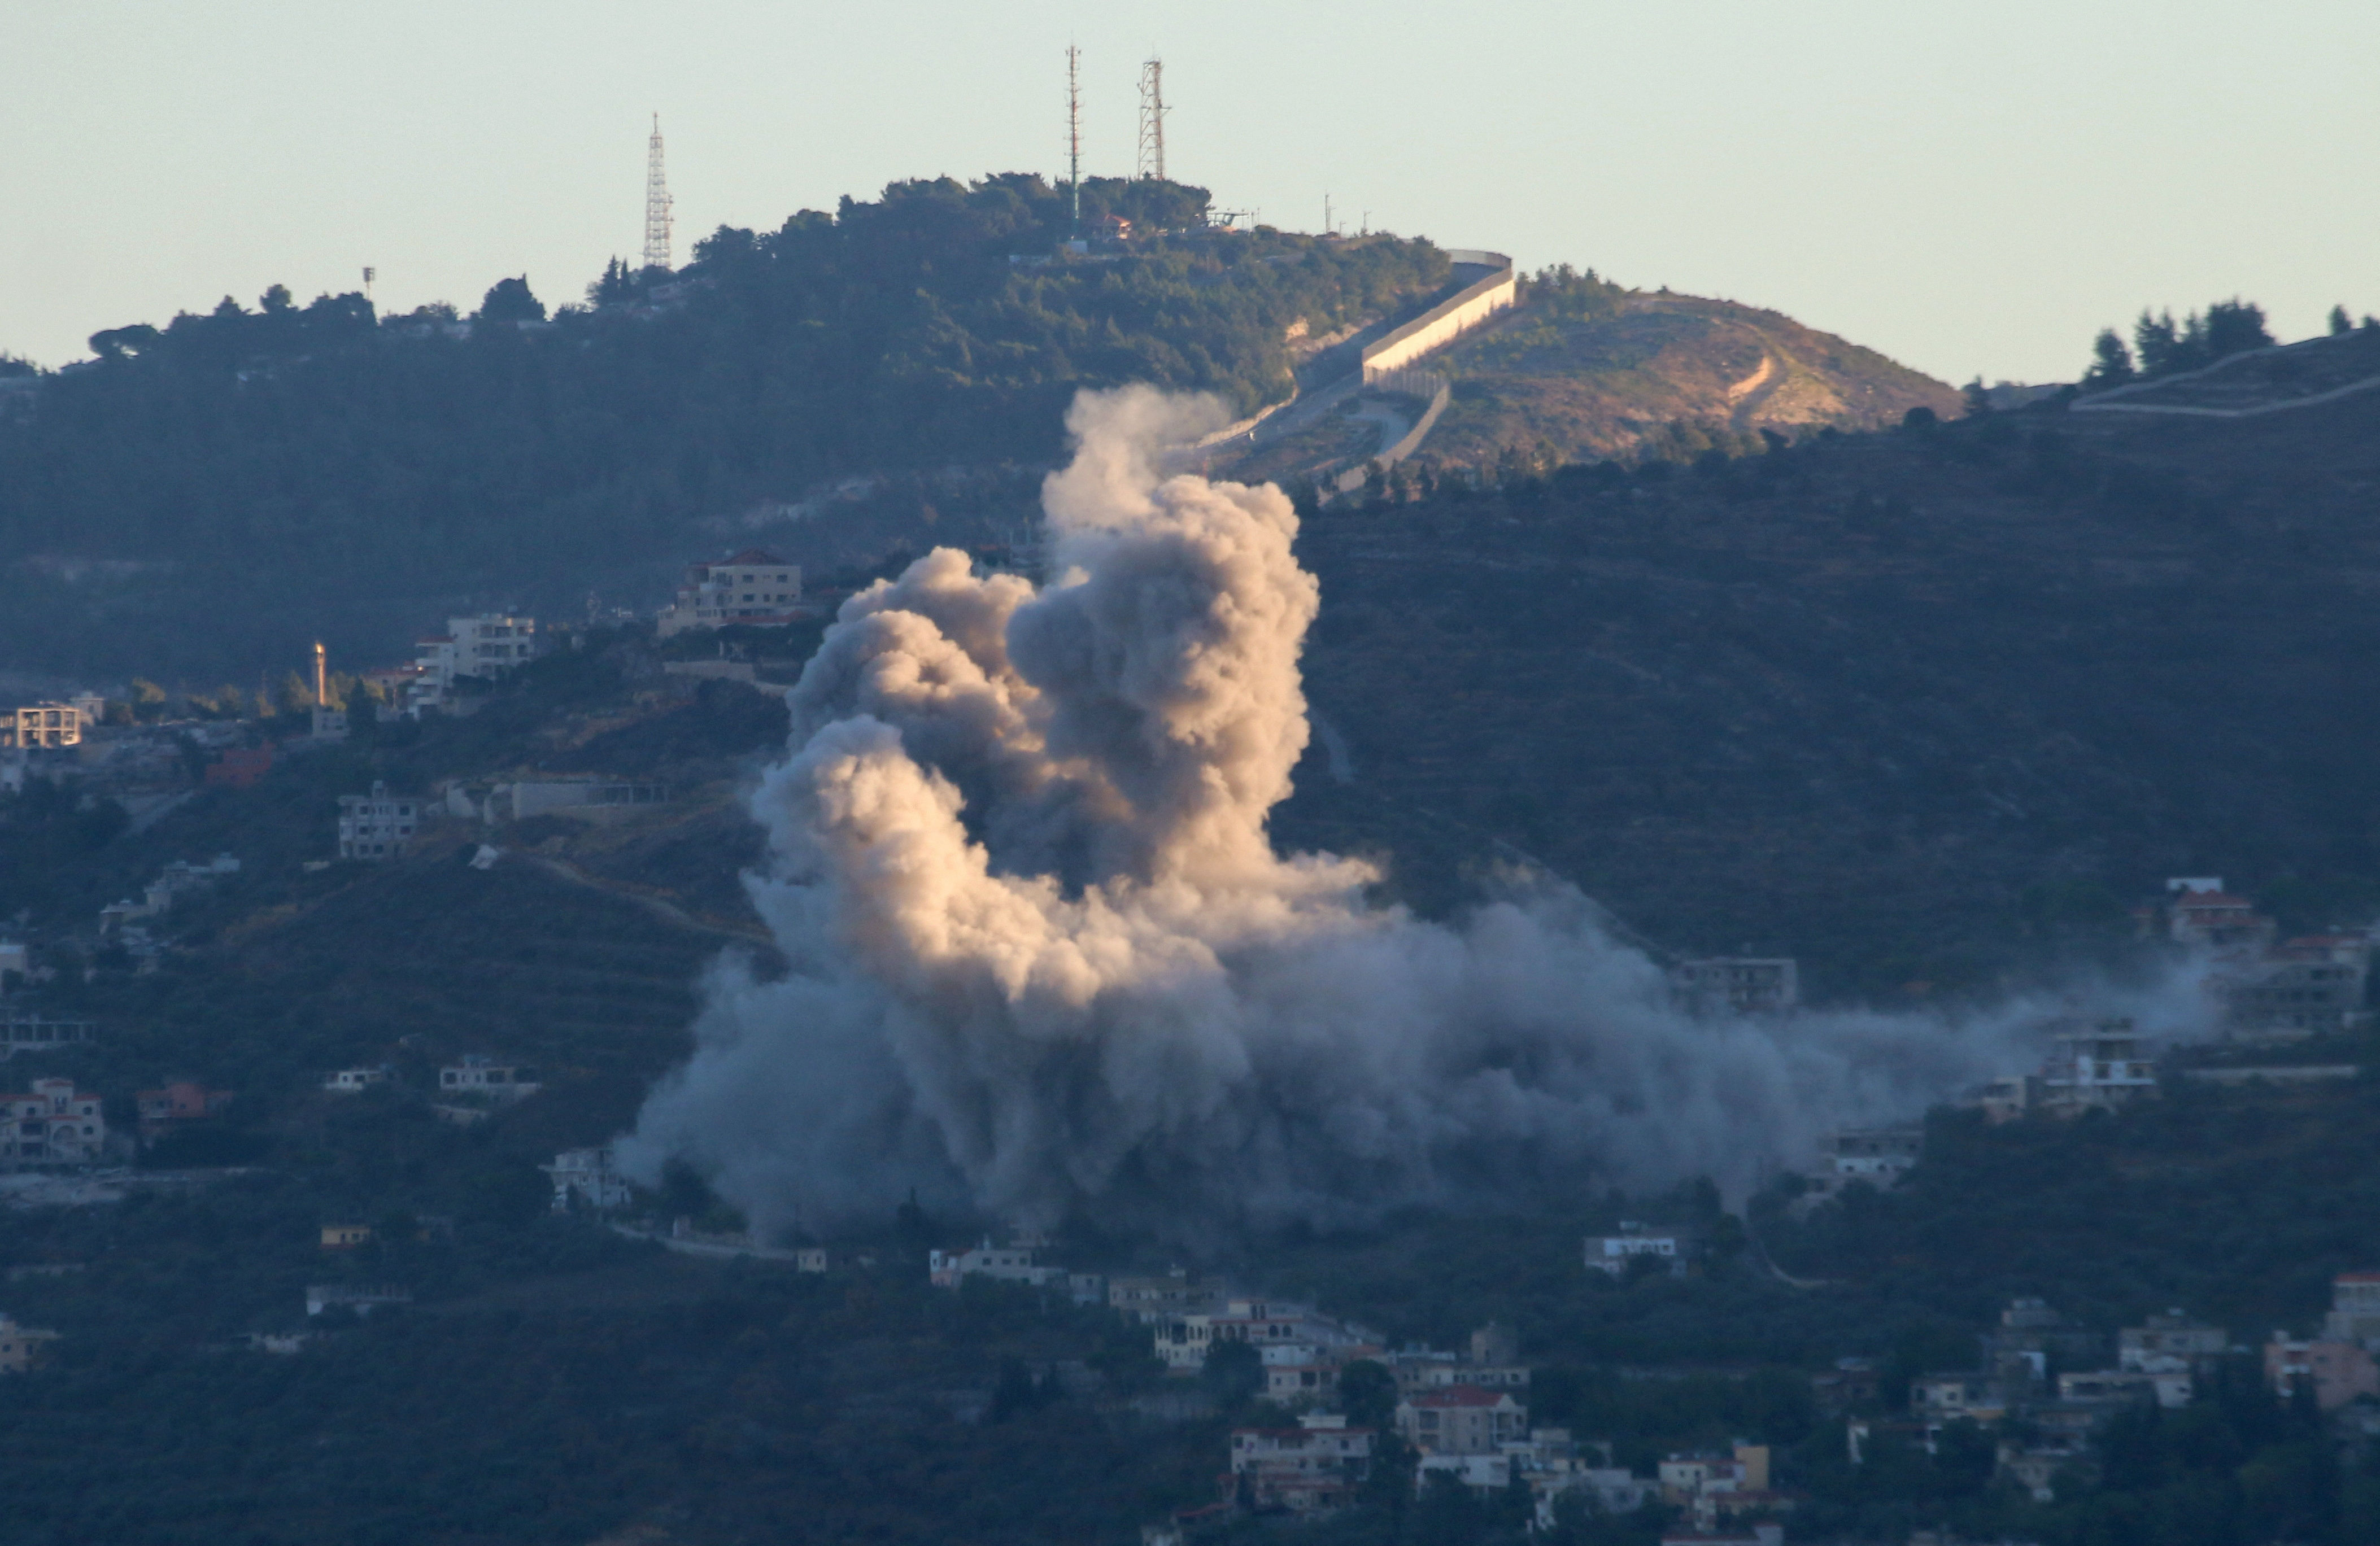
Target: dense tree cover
x: 213, y: 494
x: 2165, y: 347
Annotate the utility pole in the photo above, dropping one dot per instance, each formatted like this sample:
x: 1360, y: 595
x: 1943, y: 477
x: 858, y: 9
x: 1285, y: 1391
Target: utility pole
x: 1327, y: 229
x: 656, y: 204
x: 1150, y: 162
x: 1075, y: 140
x: 322, y: 679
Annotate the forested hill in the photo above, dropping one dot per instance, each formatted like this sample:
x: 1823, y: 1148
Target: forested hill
x: 205, y: 499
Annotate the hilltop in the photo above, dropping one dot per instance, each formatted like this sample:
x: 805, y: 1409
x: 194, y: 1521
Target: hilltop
x: 209, y: 497
x: 1584, y: 372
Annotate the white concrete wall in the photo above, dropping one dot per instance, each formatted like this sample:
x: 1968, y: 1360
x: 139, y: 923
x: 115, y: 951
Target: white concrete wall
x: 1442, y: 325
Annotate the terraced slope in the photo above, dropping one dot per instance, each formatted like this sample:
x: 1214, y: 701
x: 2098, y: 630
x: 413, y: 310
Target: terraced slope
x: 1660, y: 375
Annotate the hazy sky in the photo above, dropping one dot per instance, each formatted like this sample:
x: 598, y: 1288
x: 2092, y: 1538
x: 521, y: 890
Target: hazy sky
x: 1967, y: 187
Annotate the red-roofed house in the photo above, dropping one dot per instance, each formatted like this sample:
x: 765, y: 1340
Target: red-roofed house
x: 1460, y: 1419
x: 2337, y: 1371
x: 753, y: 587
x: 180, y: 1102
x: 2218, y: 921
x: 239, y: 767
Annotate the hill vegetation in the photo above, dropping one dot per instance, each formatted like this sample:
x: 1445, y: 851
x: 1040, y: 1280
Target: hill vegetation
x: 224, y: 490
x: 1583, y: 370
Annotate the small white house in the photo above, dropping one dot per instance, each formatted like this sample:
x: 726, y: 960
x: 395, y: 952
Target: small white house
x: 352, y: 1081
x: 585, y: 1177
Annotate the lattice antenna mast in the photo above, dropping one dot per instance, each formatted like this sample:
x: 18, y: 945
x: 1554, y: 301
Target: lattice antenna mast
x: 1075, y: 137
x: 656, y: 204
x: 1152, y: 162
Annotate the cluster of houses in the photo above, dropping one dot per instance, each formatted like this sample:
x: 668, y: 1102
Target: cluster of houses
x: 2269, y: 989
x: 2048, y: 1381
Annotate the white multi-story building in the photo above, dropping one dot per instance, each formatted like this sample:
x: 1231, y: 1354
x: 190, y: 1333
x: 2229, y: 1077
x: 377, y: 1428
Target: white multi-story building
x: 2102, y: 1067
x: 377, y: 825
x: 52, y: 1125
x: 487, y: 647
x: 585, y: 1177
x: 753, y: 587
x: 1462, y: 1420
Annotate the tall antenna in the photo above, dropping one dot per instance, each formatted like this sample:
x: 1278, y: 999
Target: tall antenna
x: 656, y: 204
x: 1075, y: 137
x: 1151, y: 162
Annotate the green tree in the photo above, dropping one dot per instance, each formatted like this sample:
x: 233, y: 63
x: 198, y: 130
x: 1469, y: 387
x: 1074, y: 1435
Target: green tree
x: 509, y: 300
x: 2338, y: 321
x: 2111, y: 361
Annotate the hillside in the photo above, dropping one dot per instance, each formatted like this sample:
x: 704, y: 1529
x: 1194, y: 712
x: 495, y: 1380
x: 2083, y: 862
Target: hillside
x: 1918, y: 707
x: 206, y: 499
x: 1581, y: 371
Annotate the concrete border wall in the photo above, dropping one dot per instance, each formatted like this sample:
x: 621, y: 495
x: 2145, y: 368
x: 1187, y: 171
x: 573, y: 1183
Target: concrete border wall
x: 1448, y: 320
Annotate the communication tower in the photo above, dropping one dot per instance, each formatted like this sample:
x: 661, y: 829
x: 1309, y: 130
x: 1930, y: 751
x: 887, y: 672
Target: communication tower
x: 1074, y: 139
x: 656, y: 204
x: 1152, y: 162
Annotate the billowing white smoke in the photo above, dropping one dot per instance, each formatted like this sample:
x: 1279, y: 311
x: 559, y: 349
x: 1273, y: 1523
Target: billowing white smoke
x: 1045, y: 958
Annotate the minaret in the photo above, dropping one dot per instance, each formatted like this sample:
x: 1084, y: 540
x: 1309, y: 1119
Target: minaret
x: 656, y: 204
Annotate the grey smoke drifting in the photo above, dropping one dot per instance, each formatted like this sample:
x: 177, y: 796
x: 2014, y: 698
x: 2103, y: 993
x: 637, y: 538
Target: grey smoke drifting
x: 1044, y: 957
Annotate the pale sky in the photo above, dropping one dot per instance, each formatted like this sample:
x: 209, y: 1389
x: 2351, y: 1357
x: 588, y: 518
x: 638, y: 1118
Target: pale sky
x: 1968, y: 187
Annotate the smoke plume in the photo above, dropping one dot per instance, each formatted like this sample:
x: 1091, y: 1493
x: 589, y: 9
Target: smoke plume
x: 1045, y: 960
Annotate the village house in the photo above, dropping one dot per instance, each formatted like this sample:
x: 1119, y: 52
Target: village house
x: 177, y: 1105
x: 50, y: 726
x: 34, y: 1033
x: 2201, y: 914
x: 753, y: 587
x: 1312, y: 1469
x: 2308, y: 986
x: 1712, y: 1487
x: 2125, y: 1387
x: 2354, y: 1310
x: 14, y: 957
x: 2100, y: 1068
x: 1152, y: 1299
x: 1938, y: 1398
x: 585, y: 797
x: 52, y: 1124
x: 827, y: 1258
x: 175, y: 880
x: 585, y: 1178
x: 361, y: 1298
x: 485, y: 1079
x: 1553, y: 1468
x: 1737, y: 984
x: 1853, y: 1382
x: 1460, y: 1419
x: 1670, y: 1247
x: 1011, y: 1263
x: 2173, y: 1341
x: 485, y: 648
x: 22, y: 1346
x: 2338, y: 1372
x: 239, y: 767
x: 354, y: 1081
x: 377, y: 825
x: 346, y: 1237
x: 1299, y: 1331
